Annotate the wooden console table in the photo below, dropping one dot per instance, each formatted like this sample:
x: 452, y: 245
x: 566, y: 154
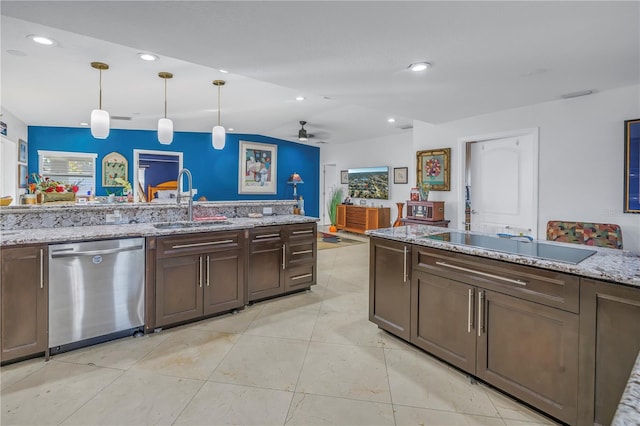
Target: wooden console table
x: 362, y: 218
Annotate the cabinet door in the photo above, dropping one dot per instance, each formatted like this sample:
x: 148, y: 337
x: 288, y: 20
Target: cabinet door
x: 179, y: 282
x: 390, y: 286
x: 443, y: 319
x: 24, y: 300
x: 224, y: 281
x: 610, y: 323
x: 530, y: 351
x: 266, y: 269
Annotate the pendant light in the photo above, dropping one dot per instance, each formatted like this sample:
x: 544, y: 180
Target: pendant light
x: 100, y: 117
x: 302, y: 133
x: 165, y: 125
x: 218, y: 134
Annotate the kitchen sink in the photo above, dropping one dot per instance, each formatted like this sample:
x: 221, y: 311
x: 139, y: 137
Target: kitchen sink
x: 189, y: 224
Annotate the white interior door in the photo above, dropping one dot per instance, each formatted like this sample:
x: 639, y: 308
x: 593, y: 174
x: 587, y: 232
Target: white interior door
x: 329, y: 181
x: 8, y: 158
x: 503, y: 182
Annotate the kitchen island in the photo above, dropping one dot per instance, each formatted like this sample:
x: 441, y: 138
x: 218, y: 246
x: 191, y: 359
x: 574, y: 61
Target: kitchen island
x: 562, y: 336
x: 190, y: 269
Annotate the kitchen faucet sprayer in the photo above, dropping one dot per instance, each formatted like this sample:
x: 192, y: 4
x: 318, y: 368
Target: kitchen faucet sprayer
x: 190, y: 182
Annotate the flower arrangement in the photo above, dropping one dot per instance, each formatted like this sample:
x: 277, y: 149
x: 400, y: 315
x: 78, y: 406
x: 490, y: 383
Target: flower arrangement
x: 126, y: 186
x: 38, y: 183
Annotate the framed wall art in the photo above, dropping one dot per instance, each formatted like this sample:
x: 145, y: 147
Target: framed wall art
x: 632, y: 166
x: 344, y: 177
x: 23, y: 152
x: 22, y: 176
x: 114, y: 165
x: 400, y: 175
x: 433, y: 169
x: 258, y: 168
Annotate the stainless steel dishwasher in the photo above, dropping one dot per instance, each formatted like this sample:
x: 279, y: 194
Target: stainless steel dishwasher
x: 96, y: 289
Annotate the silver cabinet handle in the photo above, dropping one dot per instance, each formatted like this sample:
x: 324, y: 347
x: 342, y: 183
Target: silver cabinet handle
x: 480, y: 319
x: 41, y: 268
x: 209, y: 243
x: 200, y: 270
x: 301, y: 252
x: 258, y: 237
x: 484, y: 274
x: 470, y: 308
x: 207, y: 271
x: 308, y: 231
x: 405, y: 265
x: 299, y: 277
x: 284, y: 250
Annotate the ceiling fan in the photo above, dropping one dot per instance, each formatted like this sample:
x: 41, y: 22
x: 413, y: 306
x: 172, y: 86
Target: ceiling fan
x: 304, y: 136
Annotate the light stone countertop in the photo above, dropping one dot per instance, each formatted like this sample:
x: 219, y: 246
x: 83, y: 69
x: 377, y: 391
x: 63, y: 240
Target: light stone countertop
x: 84, y: 233
x: 628, y: 412
x: 618, y: 266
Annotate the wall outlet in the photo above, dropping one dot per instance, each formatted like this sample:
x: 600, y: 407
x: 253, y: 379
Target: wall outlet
x: 267, y: 210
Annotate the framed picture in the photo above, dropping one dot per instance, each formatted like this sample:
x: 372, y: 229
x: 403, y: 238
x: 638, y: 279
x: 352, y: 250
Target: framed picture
x: 258, y: 168
x: 22, y: 176
x: 3, y: 128
x: 114, y: 165
x: 400, y: 175
x: 632, y: 166
x: 433, y: 169
x: 22, y: 151
x: 344, y: 177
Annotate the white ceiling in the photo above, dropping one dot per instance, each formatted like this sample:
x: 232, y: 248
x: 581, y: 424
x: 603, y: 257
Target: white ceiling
x: 348, y: 59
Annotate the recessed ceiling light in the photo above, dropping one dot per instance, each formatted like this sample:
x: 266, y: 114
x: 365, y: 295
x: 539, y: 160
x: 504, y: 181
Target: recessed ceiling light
x: 299, y: 98
x: 42, y: 39
x: 84, y: 124
x: 224, y: 71
x: 148, y: 57
x: 231, y: 129
x: 419, y: 66
x: 391, y: 120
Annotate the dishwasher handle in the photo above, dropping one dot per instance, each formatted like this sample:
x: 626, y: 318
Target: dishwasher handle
x: 94, y: 252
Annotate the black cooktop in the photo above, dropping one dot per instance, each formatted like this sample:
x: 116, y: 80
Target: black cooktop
x: 518, y: 246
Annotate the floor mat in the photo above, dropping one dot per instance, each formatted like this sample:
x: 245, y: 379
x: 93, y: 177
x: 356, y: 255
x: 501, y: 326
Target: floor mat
x: 329, y: 241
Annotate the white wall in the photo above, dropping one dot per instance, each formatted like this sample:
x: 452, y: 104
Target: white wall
x: 16, y: 130
x: 395, y: 151
x: 581, y: 156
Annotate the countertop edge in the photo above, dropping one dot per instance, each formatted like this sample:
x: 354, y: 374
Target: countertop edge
x: 628, y: 411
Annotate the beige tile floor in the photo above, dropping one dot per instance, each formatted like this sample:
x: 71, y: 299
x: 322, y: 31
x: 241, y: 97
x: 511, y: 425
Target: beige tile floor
x: 308, y: 359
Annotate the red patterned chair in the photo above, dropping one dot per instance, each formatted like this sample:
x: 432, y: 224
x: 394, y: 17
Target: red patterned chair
x: 591, y: 234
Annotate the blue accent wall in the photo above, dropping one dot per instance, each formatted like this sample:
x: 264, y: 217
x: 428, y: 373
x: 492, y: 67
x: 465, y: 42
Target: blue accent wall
x: 215, y: 172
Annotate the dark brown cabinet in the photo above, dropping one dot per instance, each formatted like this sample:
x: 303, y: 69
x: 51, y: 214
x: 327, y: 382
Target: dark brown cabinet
x: 610, y: 336
x: 198, y: 275
x: 282, y: 259
x: 513, y: 326
x: 23, y: 300
x: 390, y: 286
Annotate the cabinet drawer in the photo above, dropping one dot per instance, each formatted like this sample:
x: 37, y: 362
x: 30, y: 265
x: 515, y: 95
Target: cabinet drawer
x: 303, y: 231
x: 265, y: 235
x: 199, y: 243
x: 300, y: 277
x: 301, y: 252
x: 537, y: 285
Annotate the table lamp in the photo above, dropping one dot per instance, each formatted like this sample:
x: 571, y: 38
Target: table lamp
x: 295, y: 180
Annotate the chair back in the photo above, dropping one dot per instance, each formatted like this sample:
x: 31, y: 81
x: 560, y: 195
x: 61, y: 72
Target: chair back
x: 591, y: 234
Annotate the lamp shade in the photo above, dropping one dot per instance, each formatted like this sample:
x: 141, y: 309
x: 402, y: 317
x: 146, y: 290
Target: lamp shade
x: 165, y: 131
x: 218, y: 137
x: 295, y: 179
x: 99, y: 124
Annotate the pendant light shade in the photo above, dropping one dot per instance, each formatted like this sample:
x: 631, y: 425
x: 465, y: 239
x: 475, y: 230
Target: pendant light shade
x: 165, y: 125
x: 218, y: 134
x: 302, y: 133
x: 100, y: 117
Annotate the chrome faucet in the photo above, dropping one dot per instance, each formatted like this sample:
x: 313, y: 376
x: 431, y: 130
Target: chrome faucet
x: 190, y: 180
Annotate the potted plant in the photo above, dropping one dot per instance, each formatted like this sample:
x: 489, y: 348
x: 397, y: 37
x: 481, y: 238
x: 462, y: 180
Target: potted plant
x: 334, y: 199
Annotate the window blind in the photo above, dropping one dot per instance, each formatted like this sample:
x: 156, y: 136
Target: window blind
x: 70, y: 168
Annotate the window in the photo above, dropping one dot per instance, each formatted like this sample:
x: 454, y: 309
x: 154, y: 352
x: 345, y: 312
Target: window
x: 74, y: 168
